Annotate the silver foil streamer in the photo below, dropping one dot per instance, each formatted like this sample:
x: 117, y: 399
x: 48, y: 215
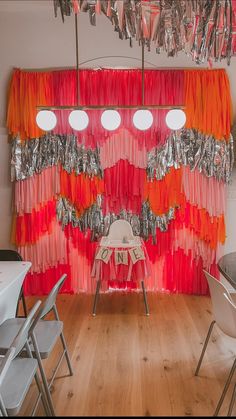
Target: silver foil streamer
x: 35, y: 155
x: 198, y: 151
x: 201, y: 28
x: 93, y: 219
x: 65, y: 7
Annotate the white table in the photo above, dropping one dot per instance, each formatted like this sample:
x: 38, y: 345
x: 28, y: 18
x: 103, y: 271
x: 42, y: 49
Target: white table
x: 12, y: 275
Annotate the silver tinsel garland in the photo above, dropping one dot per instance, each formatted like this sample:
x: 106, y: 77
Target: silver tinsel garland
x: 94, y: 219
x: 201, y: 28
x: 190, y: 147
x: 37, y: 154
x: 209, y: 156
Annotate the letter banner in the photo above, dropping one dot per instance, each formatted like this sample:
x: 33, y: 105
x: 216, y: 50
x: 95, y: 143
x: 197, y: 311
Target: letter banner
x: 136, y: 254
x: 104, y: 254
x: 121, y: 257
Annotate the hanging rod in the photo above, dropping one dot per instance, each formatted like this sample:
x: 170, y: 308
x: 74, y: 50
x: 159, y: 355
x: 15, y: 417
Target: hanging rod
x: 109, y: 107
x: 77, y: 58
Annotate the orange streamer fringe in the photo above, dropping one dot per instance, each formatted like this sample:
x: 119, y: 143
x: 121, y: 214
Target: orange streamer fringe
x: 165, y: 193
x: 81, y: 190
x: 208, y: 102
x: 27, y: 91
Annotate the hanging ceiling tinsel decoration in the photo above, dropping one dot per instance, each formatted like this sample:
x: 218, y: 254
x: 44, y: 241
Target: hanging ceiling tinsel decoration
x: 203, y: 29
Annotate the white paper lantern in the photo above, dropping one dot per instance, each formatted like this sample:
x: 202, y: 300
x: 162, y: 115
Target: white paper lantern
x: 78, y: 120
x: 175, y: 119
x: 143, y: 119
x: 110, y: 120
x: 46, y: 120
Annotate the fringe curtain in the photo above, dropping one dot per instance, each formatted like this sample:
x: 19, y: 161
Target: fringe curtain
x: 69, y: 186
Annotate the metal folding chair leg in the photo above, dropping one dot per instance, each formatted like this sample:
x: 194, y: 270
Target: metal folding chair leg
x: 204, y: 347
x: 96, y: 297
x: 2, y: 408
x: 41, y: 395
x: 145, y: 299
x: 65, y: 350
x: 44, y: 378
x: 232, y: 401
x: 22, y: 298
x: 66, y: 353
x: 225, y: 388
x: 24, y: 304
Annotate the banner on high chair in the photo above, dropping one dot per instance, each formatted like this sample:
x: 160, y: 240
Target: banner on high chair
x: 121, y: 256
x: 136, y: 254
x: 104, y: 254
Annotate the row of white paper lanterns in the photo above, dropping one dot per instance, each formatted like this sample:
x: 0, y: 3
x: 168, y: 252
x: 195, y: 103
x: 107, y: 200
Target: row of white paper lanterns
x: 110, y: 119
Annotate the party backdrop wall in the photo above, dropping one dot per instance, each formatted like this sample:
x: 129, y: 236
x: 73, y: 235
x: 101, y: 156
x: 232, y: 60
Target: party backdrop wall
x: 70, y: 186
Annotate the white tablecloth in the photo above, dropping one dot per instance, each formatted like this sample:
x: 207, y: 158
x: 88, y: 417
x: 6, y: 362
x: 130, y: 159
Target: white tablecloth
x: 12, y: 275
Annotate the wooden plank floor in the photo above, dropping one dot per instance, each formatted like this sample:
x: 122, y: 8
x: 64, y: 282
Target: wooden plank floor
x: 128, y: 364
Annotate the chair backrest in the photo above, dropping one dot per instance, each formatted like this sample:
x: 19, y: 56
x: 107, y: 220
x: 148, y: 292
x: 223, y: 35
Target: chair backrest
x: 49, y: 303
x: 120, y: 229
x: 8, y: 255
x: 221, y: 308
x: 23, y: 334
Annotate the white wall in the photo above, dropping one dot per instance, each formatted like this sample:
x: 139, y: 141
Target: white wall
x: 31, y: 37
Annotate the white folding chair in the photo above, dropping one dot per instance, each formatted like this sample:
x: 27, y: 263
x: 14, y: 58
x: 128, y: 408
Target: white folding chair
x: 120, y: 229
x: 43, y: 334
x: 17, y: 373
x: 232, y: 308
x: 225, y: 319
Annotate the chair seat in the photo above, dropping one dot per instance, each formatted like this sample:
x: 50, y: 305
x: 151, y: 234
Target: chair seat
x: 16, y: 383
x: 46, y: 333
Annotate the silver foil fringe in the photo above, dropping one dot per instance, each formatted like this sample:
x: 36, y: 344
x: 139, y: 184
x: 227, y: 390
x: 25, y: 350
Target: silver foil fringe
x: 94, y: 219
x: 33, y: 156
x: 190, y: 147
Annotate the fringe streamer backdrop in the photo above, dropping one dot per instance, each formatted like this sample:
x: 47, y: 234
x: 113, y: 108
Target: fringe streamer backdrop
x: 69, y: 186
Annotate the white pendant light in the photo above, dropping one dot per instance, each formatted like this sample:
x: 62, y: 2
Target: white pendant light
x: 175, y: 119
x: 143, y: 119
x: 46, y: 120
x: 78, y: 120
x: 110, y: 120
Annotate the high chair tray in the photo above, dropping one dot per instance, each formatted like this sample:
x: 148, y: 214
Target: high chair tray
x: 106, y: 241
